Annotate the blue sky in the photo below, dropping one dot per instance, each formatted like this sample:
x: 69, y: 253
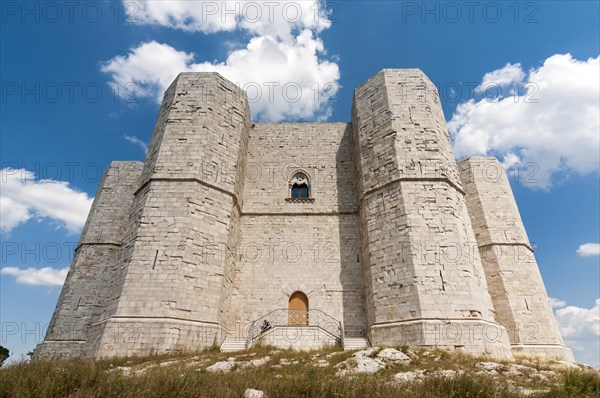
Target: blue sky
x: 80, y: 88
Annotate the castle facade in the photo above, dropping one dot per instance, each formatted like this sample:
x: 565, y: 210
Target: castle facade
x: 303, y: 234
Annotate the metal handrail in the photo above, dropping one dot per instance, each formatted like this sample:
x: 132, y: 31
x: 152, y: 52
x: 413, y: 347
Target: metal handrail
x: 287, y: 317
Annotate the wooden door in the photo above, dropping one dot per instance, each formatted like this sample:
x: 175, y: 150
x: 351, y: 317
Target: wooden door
x: 298, y: 309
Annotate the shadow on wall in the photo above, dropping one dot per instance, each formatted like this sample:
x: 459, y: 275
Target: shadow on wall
x: 351, y: 272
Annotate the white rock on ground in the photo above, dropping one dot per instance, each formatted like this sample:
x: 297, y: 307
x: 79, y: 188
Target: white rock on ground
x: 446, y: 373
x: 255, y: 362
x: 366, y: 353
x: 368, y: 365
x: 250, y: 393
x: 222, y: 366
x: 518, y: 370
x: 362, y: 364
x: 529, y: 391
x: 515, y: 367
x: 261, y: 361
x: 168, y: 363
x: 407, y: 377
x: 489, y: 366
x: 393, y: 355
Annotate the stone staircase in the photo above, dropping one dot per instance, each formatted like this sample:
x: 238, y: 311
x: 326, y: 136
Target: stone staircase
x: 355, y: 343
x: 232, y: 344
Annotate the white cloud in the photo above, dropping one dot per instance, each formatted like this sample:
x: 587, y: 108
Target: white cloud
x: 37, y: 276
x: 22, y: 198
x: 12, y: 214
x: 557, y: 303
x: 136, y: 141
x: 589, y: 249
x: 510, y: 73
x: 258, y: 17
x: 551, y: 128
x: 151, y: 68
x: 282, y: 67
x: 580, y: 328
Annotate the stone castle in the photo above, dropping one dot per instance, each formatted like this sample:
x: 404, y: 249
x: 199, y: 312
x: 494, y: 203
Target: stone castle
x: 303, y: 234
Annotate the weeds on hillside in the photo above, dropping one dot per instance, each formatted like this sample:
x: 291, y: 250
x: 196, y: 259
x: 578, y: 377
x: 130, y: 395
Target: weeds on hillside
x: 185, y: 375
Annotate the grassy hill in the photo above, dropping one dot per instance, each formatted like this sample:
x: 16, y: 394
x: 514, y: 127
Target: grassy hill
x: 331, y: 373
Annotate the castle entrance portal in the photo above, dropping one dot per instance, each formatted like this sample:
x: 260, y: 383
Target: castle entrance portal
x: 298, y: 309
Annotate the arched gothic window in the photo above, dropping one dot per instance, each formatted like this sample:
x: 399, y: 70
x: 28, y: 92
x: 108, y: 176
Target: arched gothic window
x: 299, y: 186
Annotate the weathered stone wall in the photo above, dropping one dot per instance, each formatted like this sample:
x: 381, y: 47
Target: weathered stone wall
x: 297, y: 338
x: 278, y: 150
x: 84, y: 295
x: 514, y: 280
x: 311, y: 246
x: 172, y: 290
x: 414, y: 219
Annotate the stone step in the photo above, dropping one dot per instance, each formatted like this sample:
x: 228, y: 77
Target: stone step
x: 355, y: 343
x: 232, y: 345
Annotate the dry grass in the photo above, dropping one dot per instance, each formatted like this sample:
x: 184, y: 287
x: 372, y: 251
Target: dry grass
x: 185, y: 375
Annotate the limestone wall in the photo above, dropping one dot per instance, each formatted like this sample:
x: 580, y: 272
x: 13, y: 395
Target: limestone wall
x: 85, y: 292
x: 514, y: 280
x: 310, y: 246
x: 172, y: 291
x: 324, y: 151
x: 421, y: 278
x: 297, y: 338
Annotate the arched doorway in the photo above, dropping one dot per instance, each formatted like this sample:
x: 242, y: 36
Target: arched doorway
x: 298, y: 309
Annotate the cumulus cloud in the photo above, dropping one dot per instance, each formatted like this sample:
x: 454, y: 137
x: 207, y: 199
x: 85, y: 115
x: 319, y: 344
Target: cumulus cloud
x: 283, y: 67
x: 580, y: 328
x: 12, y: 213
x: 136, y: 141
x: 510, y: 73
x: 549, y: 124
x: 148, y: 69
x: 589, y: 249
x: 258, y: 17
x: 22, y: 198
x: 557, y: 303
x: 37, y: 276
